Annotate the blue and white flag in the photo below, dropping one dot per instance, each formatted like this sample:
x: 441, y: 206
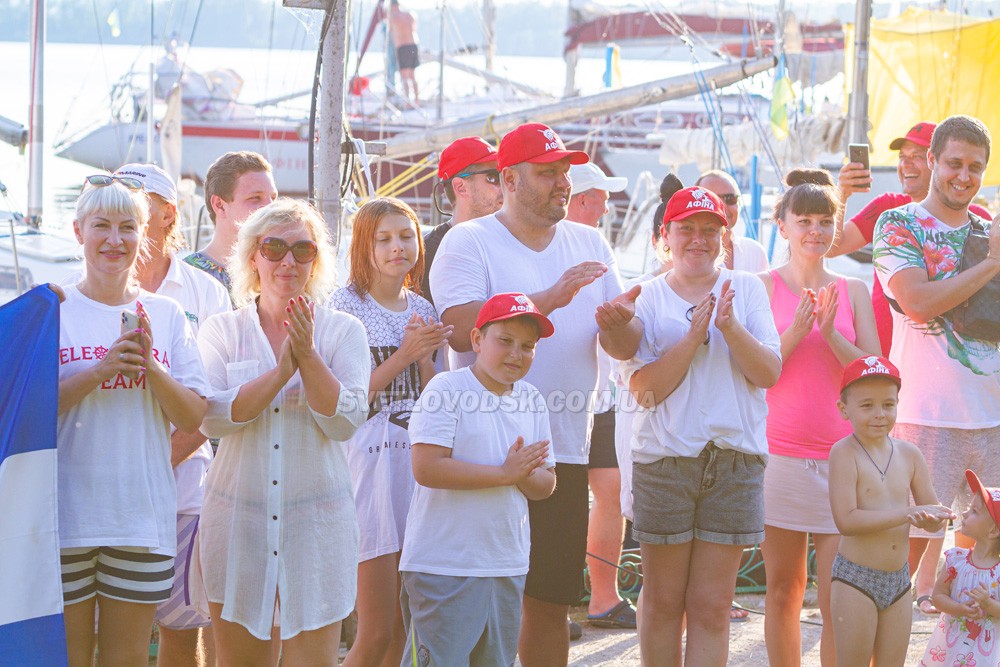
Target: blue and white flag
x: 31, y: 610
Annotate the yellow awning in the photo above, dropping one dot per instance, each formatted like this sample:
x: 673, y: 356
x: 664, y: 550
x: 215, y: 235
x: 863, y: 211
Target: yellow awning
x: 928, y: 65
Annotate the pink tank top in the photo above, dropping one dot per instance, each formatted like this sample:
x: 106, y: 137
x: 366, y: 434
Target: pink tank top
x: 802, y: 417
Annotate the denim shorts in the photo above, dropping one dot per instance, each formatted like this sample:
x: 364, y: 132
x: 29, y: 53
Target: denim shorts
x: 715, y: 497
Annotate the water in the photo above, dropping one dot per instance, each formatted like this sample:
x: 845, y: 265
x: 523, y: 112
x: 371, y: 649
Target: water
x: 79, y: 78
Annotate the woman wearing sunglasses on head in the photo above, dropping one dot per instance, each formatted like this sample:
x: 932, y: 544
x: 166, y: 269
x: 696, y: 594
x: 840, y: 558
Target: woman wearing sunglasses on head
x: 128, y: 368
x: 278, y: 536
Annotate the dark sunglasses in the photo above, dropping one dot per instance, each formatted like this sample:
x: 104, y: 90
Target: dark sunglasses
x: 730, y: 200
x: 274, y: 249
x: 492, y: 175
x: 102, y: 180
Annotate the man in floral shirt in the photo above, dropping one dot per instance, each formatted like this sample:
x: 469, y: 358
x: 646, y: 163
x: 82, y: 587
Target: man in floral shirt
x: 949, y: 405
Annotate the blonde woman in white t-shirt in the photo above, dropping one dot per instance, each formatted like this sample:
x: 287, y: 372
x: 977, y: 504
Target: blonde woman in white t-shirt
x: 118, y: 393
x: 708, y: 350
x: 278, y: 534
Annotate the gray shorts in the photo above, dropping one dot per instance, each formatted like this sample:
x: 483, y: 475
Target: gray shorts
x: 715, y: 497
x: 460, y: 620
x: 882, y: 587
x: 949, y: 452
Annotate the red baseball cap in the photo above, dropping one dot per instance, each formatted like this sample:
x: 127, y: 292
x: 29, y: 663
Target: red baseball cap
x: 990, y: 496
x: 866, y: 367
x: 512, y: 304
x: 534, y: 142
x: 920, y: 134
x: 696, y: 199
x: 462, y: 154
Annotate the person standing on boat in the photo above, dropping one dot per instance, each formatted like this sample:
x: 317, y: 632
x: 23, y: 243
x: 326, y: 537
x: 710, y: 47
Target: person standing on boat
x: 739, y: 252
x: 468, y: 172
x: 236, y: 185
x: 185, y: 635
x: 917, y: 256
x: 119, y: 391
x: 914, y: 175
x: 403, y: 30
x: 569, y: 272
x: 588, y: 203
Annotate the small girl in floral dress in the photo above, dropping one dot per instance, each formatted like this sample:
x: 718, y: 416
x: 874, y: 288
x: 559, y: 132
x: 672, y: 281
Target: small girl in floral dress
x: 967, y: 590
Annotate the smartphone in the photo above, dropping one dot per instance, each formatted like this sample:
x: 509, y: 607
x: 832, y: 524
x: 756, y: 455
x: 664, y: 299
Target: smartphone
x: 858, y: 153
x: 130, y: 321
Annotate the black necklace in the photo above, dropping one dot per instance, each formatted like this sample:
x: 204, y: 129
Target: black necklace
x: 887, y: 463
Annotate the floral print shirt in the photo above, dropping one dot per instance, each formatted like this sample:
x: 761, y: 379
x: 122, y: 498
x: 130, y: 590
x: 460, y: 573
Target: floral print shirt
x: 948, y: 381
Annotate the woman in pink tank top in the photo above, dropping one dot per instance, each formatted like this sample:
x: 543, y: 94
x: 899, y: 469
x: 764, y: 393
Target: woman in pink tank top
x: 825, y: 321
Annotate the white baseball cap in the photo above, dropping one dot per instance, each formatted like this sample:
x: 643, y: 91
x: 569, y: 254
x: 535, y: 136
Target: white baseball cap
x: 589, y: 176
x: 153, y: 180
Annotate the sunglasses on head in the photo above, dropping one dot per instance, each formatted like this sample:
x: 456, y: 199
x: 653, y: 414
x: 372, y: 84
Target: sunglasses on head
x: 102, y: 180
x: 274, y: 249
x: 730, y: 199
x: 492, y: 175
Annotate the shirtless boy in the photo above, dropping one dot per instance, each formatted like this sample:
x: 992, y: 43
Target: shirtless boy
x: 871, y: 478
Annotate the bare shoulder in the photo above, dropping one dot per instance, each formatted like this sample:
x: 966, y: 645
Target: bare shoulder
x: 908, y: 452
x: 841, y: 452
x: 857, y: 288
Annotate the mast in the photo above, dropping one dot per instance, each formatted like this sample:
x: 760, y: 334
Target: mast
x: 36, y: 117
x: 857, y: 113
x: 489, y: 33
x: 330, y: 124
x: 418, y: 142
x: 440, y: 99
x: 150, y: 125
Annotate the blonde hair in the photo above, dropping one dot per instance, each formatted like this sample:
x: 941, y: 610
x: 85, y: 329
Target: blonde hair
x: 366, y: 221
x: 116, y: 199
x: 282, y: 212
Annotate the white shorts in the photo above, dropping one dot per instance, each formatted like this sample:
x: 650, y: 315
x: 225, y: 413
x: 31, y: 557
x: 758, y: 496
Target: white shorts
x: 797, y: 495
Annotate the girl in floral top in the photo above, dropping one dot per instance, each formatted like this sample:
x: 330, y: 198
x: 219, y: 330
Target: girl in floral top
x: 968, y: 588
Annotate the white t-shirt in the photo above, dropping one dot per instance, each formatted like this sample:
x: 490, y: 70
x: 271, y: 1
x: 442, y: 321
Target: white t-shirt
x: 480, y: 258
x: 948, y: 381
x: 279, y: 516
x: 482, y: 532
x: 625, y: 407
x: 379, y: 452
x: 116, y: 487
x: 200, y: 296
x: 750, y: 255
x: 714, y: 401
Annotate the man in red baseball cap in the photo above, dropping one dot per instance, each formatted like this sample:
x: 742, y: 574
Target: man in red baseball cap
x: 471, y: 182
x: 568, y: 271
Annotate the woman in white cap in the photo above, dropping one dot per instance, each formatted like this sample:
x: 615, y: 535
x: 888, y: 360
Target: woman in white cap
x: 160, y: 271
x: 128, y: 368
x: 708, y: 351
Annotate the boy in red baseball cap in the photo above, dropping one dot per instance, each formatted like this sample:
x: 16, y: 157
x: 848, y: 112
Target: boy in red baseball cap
x: 480, y: 451
x: 872, y: 477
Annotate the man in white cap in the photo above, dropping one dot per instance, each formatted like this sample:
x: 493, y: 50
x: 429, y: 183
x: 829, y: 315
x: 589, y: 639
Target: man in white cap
x: 588, y: 203
x: 591, y: 189
x: 200, y: 296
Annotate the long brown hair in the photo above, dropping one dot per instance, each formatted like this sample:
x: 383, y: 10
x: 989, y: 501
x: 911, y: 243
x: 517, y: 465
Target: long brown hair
x: 363, y: 271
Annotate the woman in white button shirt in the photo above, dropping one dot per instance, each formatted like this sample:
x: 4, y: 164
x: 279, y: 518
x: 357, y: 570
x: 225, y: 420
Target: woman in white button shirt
x: 278, y: 530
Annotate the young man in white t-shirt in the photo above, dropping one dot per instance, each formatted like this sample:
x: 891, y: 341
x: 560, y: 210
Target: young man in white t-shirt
x: 480, y: 451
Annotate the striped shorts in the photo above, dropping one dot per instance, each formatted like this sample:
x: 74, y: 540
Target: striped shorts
x: 180, y: 612
x: 130, y: 574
